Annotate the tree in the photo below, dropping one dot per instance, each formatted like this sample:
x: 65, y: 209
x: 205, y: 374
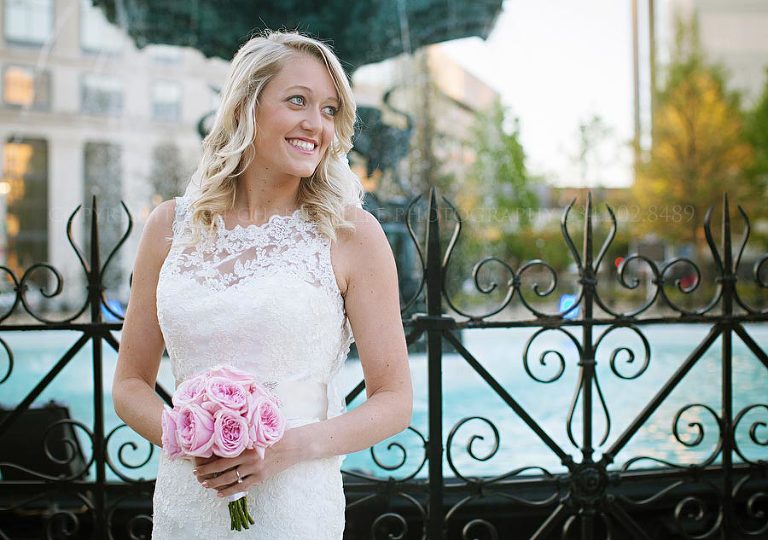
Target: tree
x: 594, y: 135
x: 698, y: 149
x: 499, y: 182
x: 756, y: 131
x: 497, y: 197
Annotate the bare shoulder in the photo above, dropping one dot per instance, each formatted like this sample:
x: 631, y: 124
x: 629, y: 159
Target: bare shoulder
x: 367, y: 232
x: 163, y: 213
x: 158, y: 230
x: 365, y: 251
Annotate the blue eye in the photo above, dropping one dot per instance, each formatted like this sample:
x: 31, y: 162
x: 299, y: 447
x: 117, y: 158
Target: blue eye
x: 331, y: 111
x: 296, y: 100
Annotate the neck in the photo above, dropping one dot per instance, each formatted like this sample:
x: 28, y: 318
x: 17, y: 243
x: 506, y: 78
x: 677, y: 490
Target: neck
x: 259, y: 194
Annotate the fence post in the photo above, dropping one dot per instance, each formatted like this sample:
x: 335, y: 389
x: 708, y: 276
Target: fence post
x: 95, y: 286
x: 587, y: 363
x: 434, y: 279
x: 728, y: 281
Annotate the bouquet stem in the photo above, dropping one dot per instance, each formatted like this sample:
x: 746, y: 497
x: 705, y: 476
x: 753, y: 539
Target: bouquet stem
x: 244, y: 504
x: 239, y: 517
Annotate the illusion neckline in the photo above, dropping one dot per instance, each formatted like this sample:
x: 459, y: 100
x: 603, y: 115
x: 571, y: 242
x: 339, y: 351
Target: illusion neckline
x: 274, y: 218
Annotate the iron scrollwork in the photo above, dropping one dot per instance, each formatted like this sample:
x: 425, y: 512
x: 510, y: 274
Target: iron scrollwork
x: 722, y: 490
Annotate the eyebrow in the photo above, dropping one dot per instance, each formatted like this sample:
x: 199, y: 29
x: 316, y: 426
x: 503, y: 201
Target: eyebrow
x: 309, y: 90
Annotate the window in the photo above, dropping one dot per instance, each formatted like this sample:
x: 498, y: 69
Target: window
x: 170, y: 171
x: 28, y: 21
x: 24, y: 201
x: 26, y: 87
x: 103, y: 177
x: 165, y: 54
x: 166, y: 101
x: 97, y: 34
x: 101, y: 94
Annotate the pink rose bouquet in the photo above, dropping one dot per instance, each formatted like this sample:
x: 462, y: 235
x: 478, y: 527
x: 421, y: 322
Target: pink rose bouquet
x: 222, y: 412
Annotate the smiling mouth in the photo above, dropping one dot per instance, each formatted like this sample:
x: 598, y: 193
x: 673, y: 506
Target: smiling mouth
x: 305, y: 147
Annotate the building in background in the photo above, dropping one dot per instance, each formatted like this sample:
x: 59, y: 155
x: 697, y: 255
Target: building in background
x: 431, y: 101
x: 84, y: 112
x: 733, y: 33
x: 416, y: 117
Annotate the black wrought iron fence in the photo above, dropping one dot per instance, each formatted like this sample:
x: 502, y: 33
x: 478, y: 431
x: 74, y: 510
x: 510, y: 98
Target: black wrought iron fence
x: 54, y: 486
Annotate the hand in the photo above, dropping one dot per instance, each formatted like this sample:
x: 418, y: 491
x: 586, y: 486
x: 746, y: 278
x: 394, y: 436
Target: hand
x: 219, y: 473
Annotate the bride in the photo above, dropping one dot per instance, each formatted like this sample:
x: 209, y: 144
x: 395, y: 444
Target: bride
x: 268, y: 263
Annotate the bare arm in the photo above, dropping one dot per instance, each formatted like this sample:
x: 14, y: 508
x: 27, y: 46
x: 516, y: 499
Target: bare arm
x: 373, y: 307
x: 141, y: 344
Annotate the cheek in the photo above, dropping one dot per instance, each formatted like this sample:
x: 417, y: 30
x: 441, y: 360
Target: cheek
x: 328, y: 135
x: 259, y: 140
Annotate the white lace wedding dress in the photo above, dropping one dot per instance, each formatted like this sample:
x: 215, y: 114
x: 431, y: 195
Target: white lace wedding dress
x: 263, y: 299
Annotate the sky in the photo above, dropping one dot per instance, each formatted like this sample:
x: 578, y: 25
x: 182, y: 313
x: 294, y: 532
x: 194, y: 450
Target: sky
x: 556, y: 63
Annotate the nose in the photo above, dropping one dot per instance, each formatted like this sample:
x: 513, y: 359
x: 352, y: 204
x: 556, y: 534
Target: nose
x: 312, y: 120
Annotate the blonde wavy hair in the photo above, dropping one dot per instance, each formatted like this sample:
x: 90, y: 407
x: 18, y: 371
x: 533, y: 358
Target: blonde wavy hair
x: 228, y: 150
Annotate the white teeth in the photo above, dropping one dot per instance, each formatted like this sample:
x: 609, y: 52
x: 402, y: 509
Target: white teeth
x: 303, y: 145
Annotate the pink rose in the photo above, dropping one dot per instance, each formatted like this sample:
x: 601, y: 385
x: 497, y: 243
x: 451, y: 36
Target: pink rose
x: 258, y: 391
x: 267, y: 424
x: 227, y: 394
x: 231, y: 374
x: 256, y: 394
x: 230, y: 433
x: 190, y: 391
x: 195, y: 429
x: 170, y: 438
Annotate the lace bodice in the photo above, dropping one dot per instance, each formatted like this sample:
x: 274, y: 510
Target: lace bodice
x: 262, y: 298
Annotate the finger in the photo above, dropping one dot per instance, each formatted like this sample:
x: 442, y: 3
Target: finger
x: 248, y: 482
x: 214, y: 476
x: 205, y: 477
x: 199, y: 463
x: 202, y: 473
x: 223, y: 480
x: 218, y: 466
x: 203, y: 460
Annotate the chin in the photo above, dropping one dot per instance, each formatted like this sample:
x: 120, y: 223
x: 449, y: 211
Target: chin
x: 303, y: 172
x: 301, y: 168
x: 299, y: 174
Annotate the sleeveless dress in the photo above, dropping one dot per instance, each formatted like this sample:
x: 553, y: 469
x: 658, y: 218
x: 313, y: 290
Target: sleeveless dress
x: 264, y: 299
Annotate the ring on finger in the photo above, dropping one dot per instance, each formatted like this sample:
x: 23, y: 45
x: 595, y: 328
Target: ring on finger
x: 239, y: 478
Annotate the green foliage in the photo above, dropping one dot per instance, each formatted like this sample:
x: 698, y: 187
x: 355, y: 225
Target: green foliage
x: 592, y: 133
x: 499, y: 179
x: 756, y: 133
x: 496, y: 201
x: 698, y: 148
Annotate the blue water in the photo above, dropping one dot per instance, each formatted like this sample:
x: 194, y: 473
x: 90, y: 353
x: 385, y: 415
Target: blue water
x: 467, y: 395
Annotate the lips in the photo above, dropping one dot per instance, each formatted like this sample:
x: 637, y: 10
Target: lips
x: 304, y: 146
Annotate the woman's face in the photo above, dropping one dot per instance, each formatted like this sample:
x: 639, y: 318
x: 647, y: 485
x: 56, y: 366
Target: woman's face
x: 295, y: 118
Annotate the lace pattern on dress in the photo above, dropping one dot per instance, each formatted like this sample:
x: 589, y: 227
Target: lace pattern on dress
x: 263, y: 298
x: 284, y: 245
